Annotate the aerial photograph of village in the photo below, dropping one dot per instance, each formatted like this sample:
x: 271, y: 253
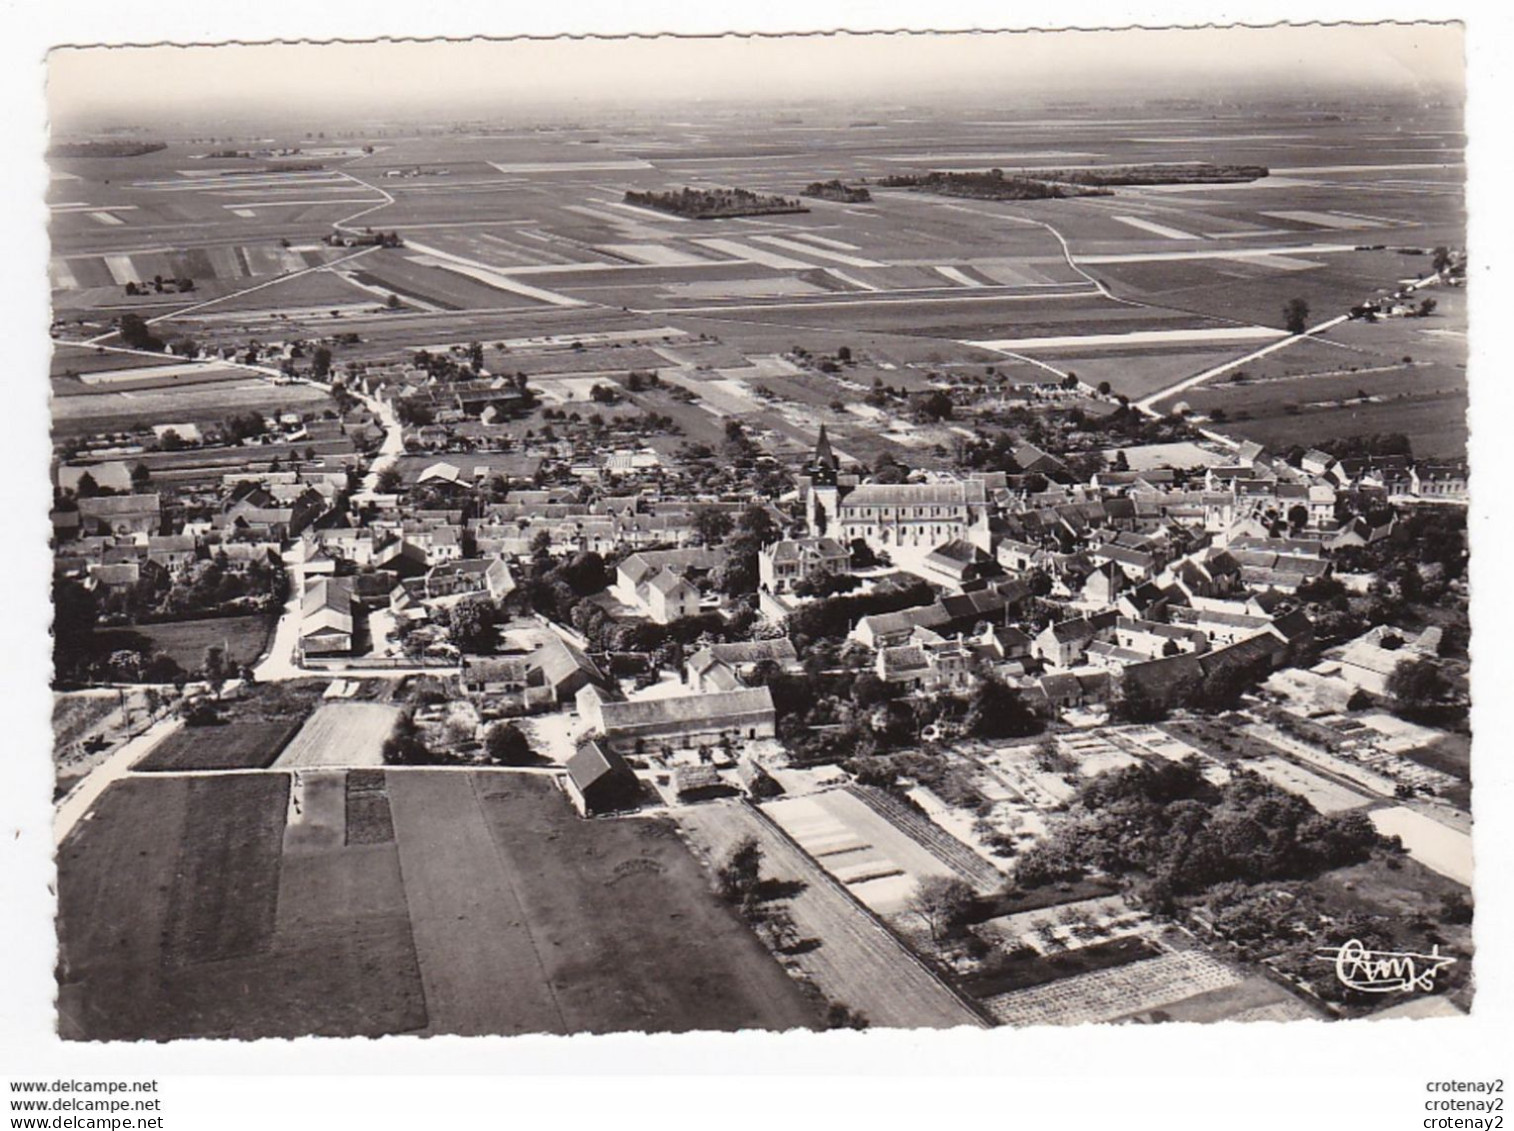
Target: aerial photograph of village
x: 759, y: 555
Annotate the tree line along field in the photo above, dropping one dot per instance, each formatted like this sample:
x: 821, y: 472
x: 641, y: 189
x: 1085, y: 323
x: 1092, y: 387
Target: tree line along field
x: 212, y: 907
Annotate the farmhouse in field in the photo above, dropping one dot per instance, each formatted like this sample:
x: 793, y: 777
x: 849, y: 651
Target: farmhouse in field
x: 600, y: 781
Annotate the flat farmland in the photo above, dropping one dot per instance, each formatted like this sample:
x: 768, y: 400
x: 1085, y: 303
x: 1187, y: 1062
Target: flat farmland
x: 241, y: 746
x: 182, y: 915
x: 246, y: 263
x: 159, y: 377
x: 311, y: 288
x: 341, y: 734
x: 531, y: 920
x: 212, y: 907
x: 198, y: 404
x: 968, y: 318
x: 1435, y: 419
x: 1326, y: 389
x: 1256, y: 291
x: 244, y: 638
x: 753, y: 335
x: 1138, y: 373
x: 76, y: 360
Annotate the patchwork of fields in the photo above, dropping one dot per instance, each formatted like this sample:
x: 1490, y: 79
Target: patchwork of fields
x: 1141, y: 289
x: 379, y: 902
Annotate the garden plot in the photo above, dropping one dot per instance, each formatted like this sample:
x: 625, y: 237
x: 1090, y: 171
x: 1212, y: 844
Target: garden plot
x: 1094, y: 753
x: 1433, y: 844
x: 1015, y: 767
x: 239, y: 746
x: 1067, y: 927
x: 1353, y: 771
x: 858, y: 961
x: 877, y: 861
x: 1320, y: 792
x: 1380, y: 750
x: 1088, y: 999
x: 341, y: 734
x: 1158, y: 743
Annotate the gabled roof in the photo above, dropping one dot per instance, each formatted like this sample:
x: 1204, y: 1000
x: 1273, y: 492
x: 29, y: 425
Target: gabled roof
x: 698, y: 709
x: 640, y: 566
x: 780, y: 650
x: 593, y: 763
x: 915, y: 494
x: 120, y: 506
x: 559, y: 660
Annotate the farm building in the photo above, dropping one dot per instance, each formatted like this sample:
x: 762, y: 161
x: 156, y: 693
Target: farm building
x: 958, y: 563
x: 565, y: 669
x: 120, y: 514
x: 724, y: 667
x: 600, y: 781
x: 469, y: 575
x: 326, y: 617
x: 698, y: 783
x: 685, y: 720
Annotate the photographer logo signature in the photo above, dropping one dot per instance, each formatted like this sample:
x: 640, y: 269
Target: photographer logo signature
x: 1384, y: 971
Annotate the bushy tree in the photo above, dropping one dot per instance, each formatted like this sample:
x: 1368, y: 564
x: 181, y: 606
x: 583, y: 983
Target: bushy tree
x: 404, y: 746
x: 507, y: 745
x: 1416, y: 686
x: 740, y: 875
x: 997, y: 710
x: 1296, y: 315
x: 943, y: 904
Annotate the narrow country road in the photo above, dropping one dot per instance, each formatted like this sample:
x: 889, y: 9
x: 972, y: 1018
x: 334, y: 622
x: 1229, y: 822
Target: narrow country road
x: 1146, y: 404
x: 81, y: 799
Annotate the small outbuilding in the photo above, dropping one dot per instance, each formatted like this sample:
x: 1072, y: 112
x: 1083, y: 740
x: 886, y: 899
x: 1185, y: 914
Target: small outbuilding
x: 600, y: 781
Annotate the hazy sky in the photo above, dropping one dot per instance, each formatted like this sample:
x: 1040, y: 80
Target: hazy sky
x: 390, y: 79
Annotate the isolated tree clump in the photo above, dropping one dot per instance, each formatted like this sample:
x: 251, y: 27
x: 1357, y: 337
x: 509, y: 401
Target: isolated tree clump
x: 1296, y: 315
x: 740, y: 875
x: 507, y: 745
x: 944, y: 904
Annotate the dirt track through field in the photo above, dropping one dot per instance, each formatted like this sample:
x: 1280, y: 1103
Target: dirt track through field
x: 857, y: 962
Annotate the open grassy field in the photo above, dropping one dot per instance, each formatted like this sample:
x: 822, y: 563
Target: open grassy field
x: 341, y: 734
x: 239, y: 746
x: 112, y: 411
x: 212, y: 928
x: 214, y: 907
x: 1436, y: 424
x: 244, y: 638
